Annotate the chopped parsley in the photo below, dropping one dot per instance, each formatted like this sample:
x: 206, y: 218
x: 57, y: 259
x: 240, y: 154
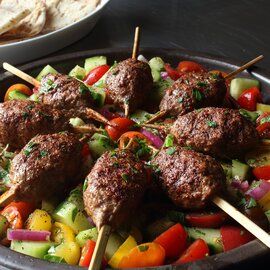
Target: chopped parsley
x: 170, y: 151
x: 43, y: 153
x: 169, y: 140
x: 143, y: 248
x: 85, y: 184
x: 25, y: 115
x: 212, y: 124
x: 29, y: 148
x: 251, y: 203
x: 125, y: 177
x: 180, y: 100
x: 214, y: 75
x: 202, y: 84
x: 265, y: 119
x: 47, y: 86
x: 197, y: 94
x: 83, y: 89
x: 30, y: 107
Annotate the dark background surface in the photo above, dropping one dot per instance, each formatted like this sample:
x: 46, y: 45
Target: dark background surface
x: 237, y: 29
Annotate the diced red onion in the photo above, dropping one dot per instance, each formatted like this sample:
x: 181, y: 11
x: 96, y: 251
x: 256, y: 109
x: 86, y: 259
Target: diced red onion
x: 142, y: 58
x: 152, y: 137
x: 243, y: 186
x: 164, y: 75
x: 258, y: 192
x: 27, y: 235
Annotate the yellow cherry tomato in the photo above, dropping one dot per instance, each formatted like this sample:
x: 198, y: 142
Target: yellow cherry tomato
x: 39, y: 220
x: 62, y: 233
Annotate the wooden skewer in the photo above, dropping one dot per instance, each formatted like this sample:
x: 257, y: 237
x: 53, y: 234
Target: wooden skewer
x: 253, y: 228
x: 245, y: 66
x: 136, y: 43
x: 97, y: 116
x: 103, y: 236
x: 157, y: 116
x: 155, y: 126
x: 21, y: 74
x: 87, y: 129
x: 7, y: 197
x: 126, y: 108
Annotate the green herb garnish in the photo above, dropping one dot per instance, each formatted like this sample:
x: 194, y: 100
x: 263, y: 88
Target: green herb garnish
x: 212, y: 124
x: 197, y: 94
x: 43, y: 153
x: 125, y: 177
x: 170, y: 151
x: 180, y: 100
x: 169, y: 141
x: 251, y: 203
x: 202, y: 84
x: 29, y: 147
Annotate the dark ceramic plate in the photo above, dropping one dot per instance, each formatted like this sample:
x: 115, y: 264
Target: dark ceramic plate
x: 64, y: 63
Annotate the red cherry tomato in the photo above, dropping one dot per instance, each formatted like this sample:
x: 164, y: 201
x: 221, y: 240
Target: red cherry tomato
x: 262, y: 172
x: 196, y: 251
x: 189, y: 66
x: 95, y: 74
x: 174, y: 241
x: 249, y: 98
x: 173, y: 74
x: 119, y: 126
x: 206, y: 220
x: 233, y: 237
x: 264, y: 130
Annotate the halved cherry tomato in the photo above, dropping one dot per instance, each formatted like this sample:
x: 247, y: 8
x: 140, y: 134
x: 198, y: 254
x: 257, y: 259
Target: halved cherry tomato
x: 17, y: 212
x: 264, y: 130
x: 249, y: 98
x: 119, y: 126
x: 174, y: 241
x: 233, y: 237
x: 206, y: 220
x: 144, y: 255
x: 87, y: 253
x: 173, y: 74
x: 189, y: 66
x: 127, y: 136
x: 196, y: 251
x: 262, y: 173
x: 95, y: 74
x: 18, y: 87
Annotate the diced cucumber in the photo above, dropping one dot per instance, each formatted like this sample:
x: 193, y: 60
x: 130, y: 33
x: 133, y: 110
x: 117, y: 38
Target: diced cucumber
x: 54, y: 258
x: 75, y: 122
x: 252, y: 116
x: 258, y: 157
x: 16, y: 94
x: 83, y: 236
x: 238, y: 85
x: 141, y: 116
x: 48, y: 206
x: 158, y: 227
x: 78, y: 72
x: 156, y: 75
x: 92, y: 62
x: 101, y: 82
x: 156, y: 63
x: 4, y: 224
x: 114, y: 242
x: 76, y: 197
x: 239, y: 170
x: 263, y: 107
x: 98, y: 95
x: 227, y: 168
x: 46, y: 70
x: 34, y: 97
x: 99, y: 144
x: 35, y: 249
x: 70, y: 215
x: 211, y: 236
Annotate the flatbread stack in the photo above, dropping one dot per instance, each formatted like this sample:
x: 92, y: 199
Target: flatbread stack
x: 21, y: 19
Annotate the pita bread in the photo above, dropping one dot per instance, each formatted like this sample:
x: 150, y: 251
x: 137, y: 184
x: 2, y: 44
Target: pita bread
x: 32, y: 24
x: 11, y: 16
x: 63, y: 13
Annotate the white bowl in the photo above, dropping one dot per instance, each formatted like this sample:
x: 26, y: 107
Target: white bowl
x: 32, y: 48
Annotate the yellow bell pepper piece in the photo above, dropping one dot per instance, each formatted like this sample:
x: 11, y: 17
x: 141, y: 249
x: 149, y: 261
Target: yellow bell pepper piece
x: 62, y: 233
x: 39, y: 220
x: 264, y: 202
x: 122, y: 251
x: 263, y: 107
x: 70, y: 251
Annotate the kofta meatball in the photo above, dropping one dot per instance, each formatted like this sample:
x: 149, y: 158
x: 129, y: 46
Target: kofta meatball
x: 192, y: 91
x: 115, y: 187
x: 48, y: 165
x: 219, y: 132
x: 190, y: 179
x: 65, y: 93
x: 130, y: 82
x: 21, y: 120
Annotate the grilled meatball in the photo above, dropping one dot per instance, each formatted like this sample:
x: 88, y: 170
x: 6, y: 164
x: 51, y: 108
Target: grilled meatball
x: 130, y: 82
x: 21, y: 120
x: 189, y: 178
x: 216, y: 131
x: 115, y: 186
x: 65, y: 93
x: 192, y: 91
x: 46, y: 166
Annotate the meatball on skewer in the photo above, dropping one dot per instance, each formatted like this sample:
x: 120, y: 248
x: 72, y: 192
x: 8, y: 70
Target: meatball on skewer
x: 21, y: 120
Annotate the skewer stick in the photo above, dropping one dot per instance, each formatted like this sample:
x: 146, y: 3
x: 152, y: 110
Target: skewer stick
x: 155, y: 126
x: 136, y: 43
x: 21, y: 74
x: 7, y: 197
x: 103, y: 236
x: 126, y: 108
x: 253, y: 228
x: 97, y: 116
x: 157, y: 116
x: 245, y: 66
x: 87, y: 129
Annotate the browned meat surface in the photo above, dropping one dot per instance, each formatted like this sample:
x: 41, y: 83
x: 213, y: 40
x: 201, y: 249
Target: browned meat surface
x: 192, y: 91
x: 48, y: 165
x: 216, y: 131
x: 115, y: 187
x: 189, y: 178
x: 65, y: 93
x: 21, y: 120
x: 130, y: 82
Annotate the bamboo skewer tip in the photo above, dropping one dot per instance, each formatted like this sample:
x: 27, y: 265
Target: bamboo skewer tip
x: 136, y: 43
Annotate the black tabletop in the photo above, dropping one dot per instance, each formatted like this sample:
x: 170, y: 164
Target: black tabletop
x: 238, y: 29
